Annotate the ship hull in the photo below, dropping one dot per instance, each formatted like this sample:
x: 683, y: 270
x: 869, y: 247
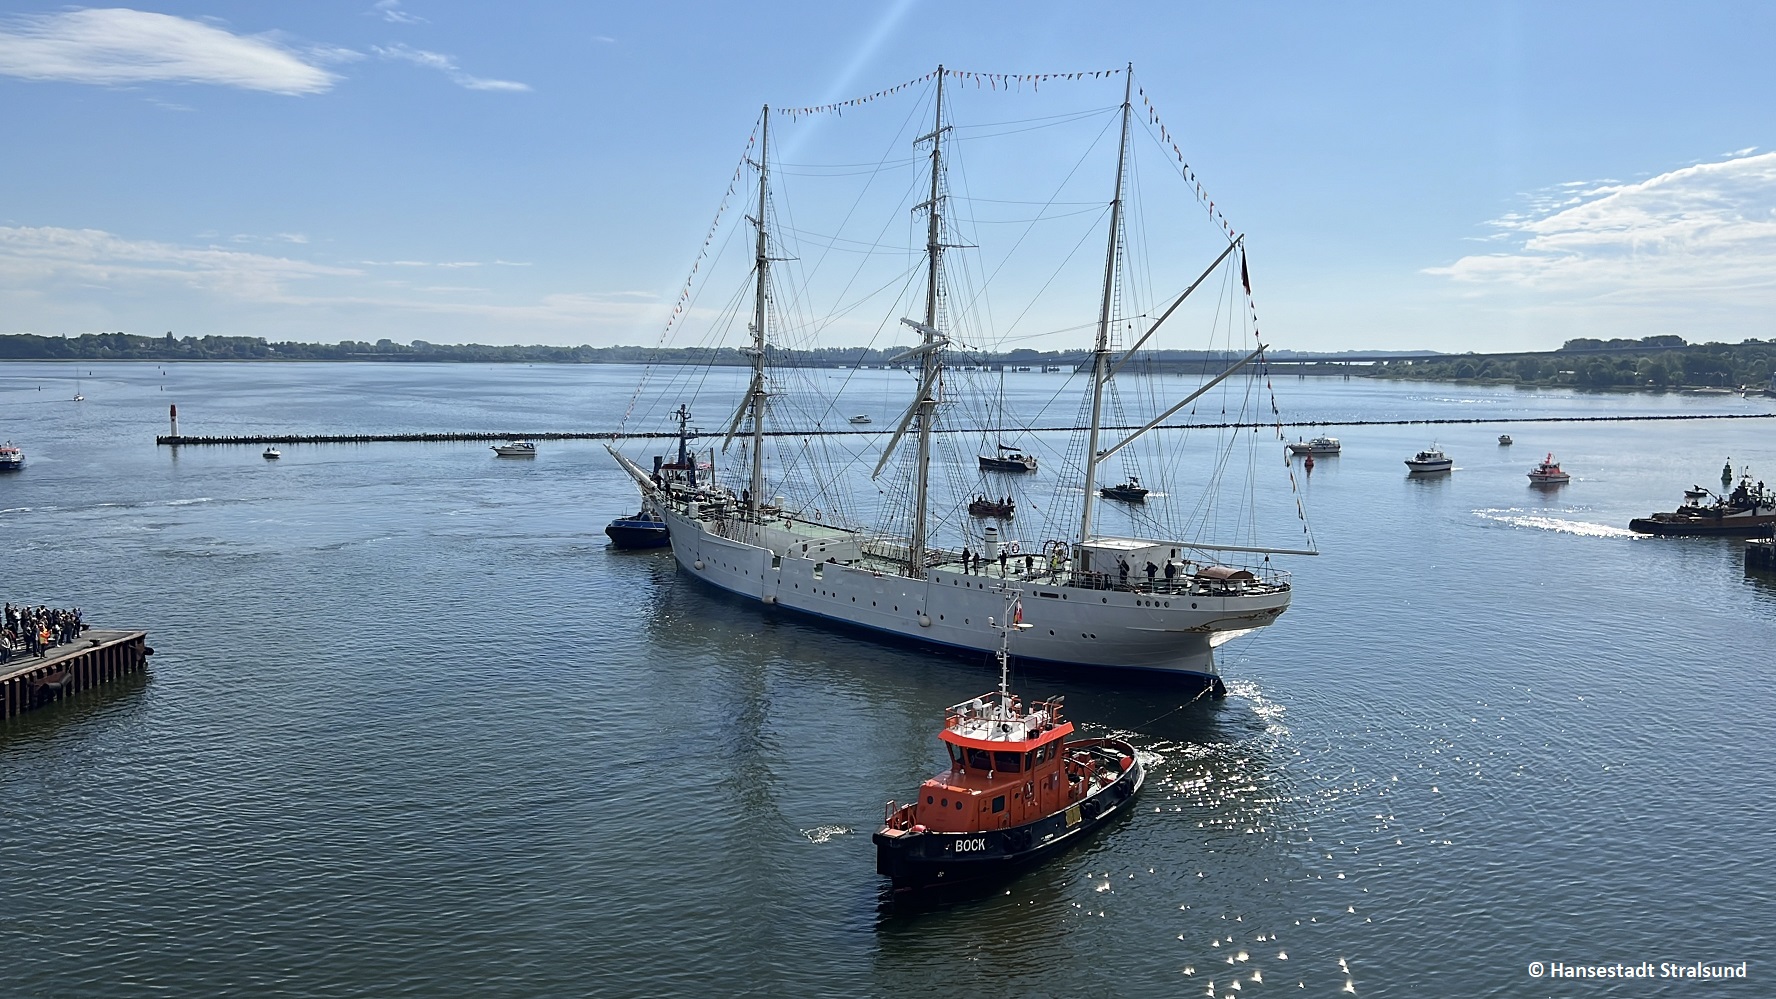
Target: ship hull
x: 919, y: 860
x: 1072, y: 628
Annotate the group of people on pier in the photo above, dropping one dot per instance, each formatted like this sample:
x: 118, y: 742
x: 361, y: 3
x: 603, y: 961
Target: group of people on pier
x: 32, y: 631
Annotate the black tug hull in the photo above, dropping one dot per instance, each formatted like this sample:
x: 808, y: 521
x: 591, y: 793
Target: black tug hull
x: 1690, y: 526
x: 637, y: 534
x: 923, y: 860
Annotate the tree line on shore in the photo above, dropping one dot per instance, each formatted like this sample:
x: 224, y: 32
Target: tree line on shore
x: 1657, y: 362
x: 1661, y: 362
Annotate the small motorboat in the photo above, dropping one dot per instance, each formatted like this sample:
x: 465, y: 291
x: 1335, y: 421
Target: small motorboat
x: 1319, y: 445
x: 1429, y: 461
x: 1547, y: 472
x: 1017, y: 789
x: 1504, y: 440
x: 1008, y: 459
x: 861, y: 418
x: 11, y: 458
x: 1696, y: 494
x: 515, y: 449
x: 272, y: 454
x: 1129, y: 492
x: 644, y: 530
x: 1003, y: 509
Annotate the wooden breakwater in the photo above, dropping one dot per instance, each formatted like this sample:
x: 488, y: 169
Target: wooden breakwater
x: 97, y: 657
x: 473, y: 436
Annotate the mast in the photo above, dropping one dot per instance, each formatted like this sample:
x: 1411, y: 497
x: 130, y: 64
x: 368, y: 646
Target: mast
x: 931, y: 364
x: 762, y: 265
x: 1101, y: 355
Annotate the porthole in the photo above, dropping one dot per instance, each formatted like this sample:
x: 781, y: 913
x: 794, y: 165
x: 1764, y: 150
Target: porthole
x: 958, y: 806
x: 1193, y: 605
x: 928, y: 799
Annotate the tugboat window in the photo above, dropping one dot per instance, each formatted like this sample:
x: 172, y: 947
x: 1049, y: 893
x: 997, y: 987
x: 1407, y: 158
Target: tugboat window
x: 1010, y: 763
x: 999, y: 803
x: 980, y: 759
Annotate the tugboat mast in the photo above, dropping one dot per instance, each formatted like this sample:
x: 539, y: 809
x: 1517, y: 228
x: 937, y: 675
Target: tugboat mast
x: 1101, y: 354
x: 931, y: 365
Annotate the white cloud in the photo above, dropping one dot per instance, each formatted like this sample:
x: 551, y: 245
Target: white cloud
x: 117, y: 47
x: 46, y: 257
x: 1699, y: 239
x: 391, y: 11
x: 446, y: 65
x: 57, y: 280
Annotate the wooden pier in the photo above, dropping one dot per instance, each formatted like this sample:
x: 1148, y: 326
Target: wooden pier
x: 97, y: 657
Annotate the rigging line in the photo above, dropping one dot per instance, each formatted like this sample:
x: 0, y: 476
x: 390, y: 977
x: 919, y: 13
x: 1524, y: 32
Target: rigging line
x: 892, y: 142
x: 1077, y: 165
x: 1009, y: 201
x: 781, y: 165
x: 1061, y: 118
x: 1013, y: 131
x: 1099, y: 209
x: 714, y: 224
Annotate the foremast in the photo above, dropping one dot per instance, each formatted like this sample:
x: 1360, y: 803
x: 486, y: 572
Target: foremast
x: 1101, y: 353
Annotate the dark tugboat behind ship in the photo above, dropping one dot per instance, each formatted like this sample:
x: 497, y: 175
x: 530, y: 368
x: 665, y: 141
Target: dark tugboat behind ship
x: 1748, y: 510
x: 1017, y: 791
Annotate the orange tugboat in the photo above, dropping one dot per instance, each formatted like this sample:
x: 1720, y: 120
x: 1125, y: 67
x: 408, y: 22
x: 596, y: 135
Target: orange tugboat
x: 1017, y: 789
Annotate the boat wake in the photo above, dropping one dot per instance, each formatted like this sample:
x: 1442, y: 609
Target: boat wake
x: 821, y: 834
x: 1545, y: 522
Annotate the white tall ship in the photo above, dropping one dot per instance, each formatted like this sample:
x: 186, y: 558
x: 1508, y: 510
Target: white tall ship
x: 1095, y: 600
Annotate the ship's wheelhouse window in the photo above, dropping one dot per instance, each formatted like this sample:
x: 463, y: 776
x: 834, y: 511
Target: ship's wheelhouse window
x: 1030, y: 761
x: 1009, y: 763
x: 980, y: 759
x: 999, y: 803
x: 956, y: 755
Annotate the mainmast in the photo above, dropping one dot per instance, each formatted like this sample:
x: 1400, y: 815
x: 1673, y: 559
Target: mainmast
x: 756, y: 395
x: 1101, y: 354
x: 931, y: 364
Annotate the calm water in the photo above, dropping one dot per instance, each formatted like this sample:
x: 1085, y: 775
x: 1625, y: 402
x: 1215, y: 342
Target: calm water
x: 413, y: 729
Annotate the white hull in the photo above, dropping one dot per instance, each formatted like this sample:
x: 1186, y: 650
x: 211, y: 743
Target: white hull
x: 1099, y: 628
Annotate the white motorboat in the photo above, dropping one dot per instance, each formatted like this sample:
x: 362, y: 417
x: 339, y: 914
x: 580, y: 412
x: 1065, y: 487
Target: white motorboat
x: 924, y: 571
x: 1429, y: 461
x: 11, y: 458
x: 1504, y: 440
x: 861, y: 418
x: 516, y: 449
x: 1319, y: 445
x: 272, y: 454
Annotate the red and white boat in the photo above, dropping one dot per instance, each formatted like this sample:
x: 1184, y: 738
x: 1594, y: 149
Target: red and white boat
x: 11, y: 458
x: 1017, y: 789
x: 1547, y: 472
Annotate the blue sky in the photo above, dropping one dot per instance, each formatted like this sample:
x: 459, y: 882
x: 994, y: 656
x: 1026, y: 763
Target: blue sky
x: 1442, y: 176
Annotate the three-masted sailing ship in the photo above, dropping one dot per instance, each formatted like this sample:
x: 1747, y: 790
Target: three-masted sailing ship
x: 1097, y: 600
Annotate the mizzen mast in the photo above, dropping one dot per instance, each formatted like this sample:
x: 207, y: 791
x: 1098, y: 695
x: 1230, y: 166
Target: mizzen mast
x: 1101, y: 353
